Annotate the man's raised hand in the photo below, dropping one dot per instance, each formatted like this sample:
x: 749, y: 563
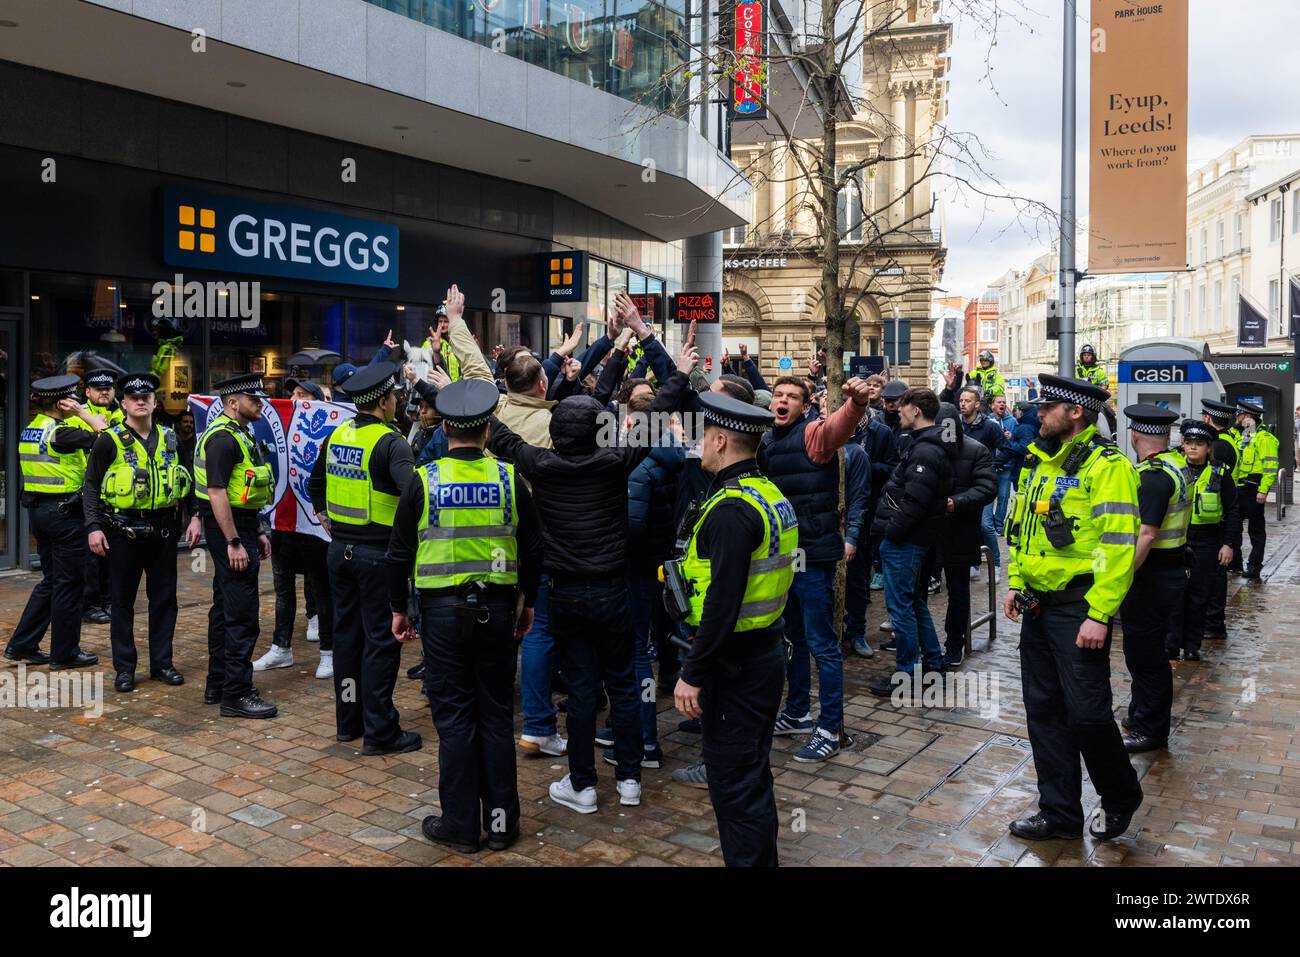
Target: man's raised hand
x: 688, y: 359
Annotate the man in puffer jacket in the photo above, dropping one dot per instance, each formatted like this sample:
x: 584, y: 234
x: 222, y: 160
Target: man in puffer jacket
x: 974, y: 485
x: 909, y: 519
x: 580, y: 488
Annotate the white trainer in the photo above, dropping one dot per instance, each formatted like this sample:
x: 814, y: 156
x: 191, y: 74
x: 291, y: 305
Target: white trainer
x: 974, y: 573
x: 584, y: 801
x: 629, y: 793
x: 313, y: 629
x: 276, y: 657
x: 551, y: 744
x: 326, y: 667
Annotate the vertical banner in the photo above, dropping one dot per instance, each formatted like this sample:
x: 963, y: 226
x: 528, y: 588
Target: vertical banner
x: 1252, y: 326
x: 290, y: 434
x: 746, y: 39
x: 1137, y: 210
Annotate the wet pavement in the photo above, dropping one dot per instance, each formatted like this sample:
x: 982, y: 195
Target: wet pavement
x: 159, y: 778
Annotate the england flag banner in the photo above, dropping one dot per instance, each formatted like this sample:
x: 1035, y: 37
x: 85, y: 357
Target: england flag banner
x: 290, y: 435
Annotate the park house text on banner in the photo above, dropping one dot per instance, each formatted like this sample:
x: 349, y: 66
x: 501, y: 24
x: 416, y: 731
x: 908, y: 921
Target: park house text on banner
x: 1137, y: 210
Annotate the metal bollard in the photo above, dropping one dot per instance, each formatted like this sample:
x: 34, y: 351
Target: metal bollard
x: 1280, y: 485
x: 991, y: 616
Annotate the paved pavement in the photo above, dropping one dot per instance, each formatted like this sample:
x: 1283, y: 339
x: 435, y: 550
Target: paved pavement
x: 159, y: 778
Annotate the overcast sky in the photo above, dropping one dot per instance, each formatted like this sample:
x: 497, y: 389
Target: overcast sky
x: 1243, y: 78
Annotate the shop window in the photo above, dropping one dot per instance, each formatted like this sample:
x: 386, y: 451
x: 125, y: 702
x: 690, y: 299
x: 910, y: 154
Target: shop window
x: 80, y: 322
x: 286, y: 324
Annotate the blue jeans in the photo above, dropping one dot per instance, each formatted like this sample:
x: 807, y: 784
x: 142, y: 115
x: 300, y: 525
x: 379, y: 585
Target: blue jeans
x: 536, y: 659
x: 905, y: 597
x: 989, y: 533
x: 810, y: 626
x: 1004, y: 496
x: 643, y: 590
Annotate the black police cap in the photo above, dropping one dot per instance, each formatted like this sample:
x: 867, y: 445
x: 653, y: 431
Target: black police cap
x: 1055, y: 388
x: 247, y: 383
x: 138, y: 383
x: 723, y: 411
x: 1194, y: 429
x: 371, y: 383
x: 1250, y: 408
x: 55, y: 387
x: 1149, y: 419
x: 100, y: 378
x: 467, y: 403
x: 1218, y: 410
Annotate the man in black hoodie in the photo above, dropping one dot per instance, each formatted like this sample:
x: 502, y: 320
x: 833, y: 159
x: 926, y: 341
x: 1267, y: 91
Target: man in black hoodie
x: 909, y: 519
x: 974, y: 485
x: 580, y: 488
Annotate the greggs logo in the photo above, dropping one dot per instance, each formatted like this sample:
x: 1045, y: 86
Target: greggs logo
x: 229, y: 233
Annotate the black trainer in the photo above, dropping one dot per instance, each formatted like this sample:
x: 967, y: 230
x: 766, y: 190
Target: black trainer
x: 250, y: 705
x: 405, y: 741
x: 432, y: 828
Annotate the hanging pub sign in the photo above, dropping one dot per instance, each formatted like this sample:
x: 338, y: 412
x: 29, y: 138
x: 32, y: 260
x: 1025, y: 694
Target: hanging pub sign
x: 748, y: 42
x: 704, y: 307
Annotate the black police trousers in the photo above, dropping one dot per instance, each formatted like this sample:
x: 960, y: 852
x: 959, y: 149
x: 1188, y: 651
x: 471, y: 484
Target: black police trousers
x: 293, y: 553
x: 1068, y: 711
x: 1157, y: 590
x: 99, y: 582
x: 234, y: 620
x: 469, y: 678
x: 1190, y: 618
x: 1251, y: 514
x: 739, y: 713
x: 366, y: 655
x: 55, y: 602
x: 154, y: 559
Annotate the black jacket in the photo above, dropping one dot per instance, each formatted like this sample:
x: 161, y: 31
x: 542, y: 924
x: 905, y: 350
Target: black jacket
x: 915, y: 499
x: 974, y: 485
x: 580, y: 487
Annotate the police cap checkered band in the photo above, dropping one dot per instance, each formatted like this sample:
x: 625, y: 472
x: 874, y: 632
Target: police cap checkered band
x: 1192, y: 429
x: 137, y: 386
x: 1055, y: 393
x: 374, y: 393
x: 100, y: 377
x: 733, y: 425
x: 1218, y: 410
x: 468, y: 423
x: 1249, y: 408
x: 1150, y: 428
x: 246, y: 385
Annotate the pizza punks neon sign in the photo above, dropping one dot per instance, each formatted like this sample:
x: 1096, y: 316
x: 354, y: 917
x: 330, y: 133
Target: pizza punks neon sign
x: 748, y: 43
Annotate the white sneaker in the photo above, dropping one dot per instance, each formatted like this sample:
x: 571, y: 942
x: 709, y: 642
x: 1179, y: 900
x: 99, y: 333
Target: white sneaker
x: 584, y: 801
x: 629, y: 793
x: 313, y: 629
x: 277, y: 657
x: 974, y: 573
x: 997, y: 573
x: 551, y: 744
x: 886, y: 625
x: 326, y: 667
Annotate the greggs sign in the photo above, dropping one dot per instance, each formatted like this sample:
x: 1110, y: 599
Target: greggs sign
x: 748, y: 42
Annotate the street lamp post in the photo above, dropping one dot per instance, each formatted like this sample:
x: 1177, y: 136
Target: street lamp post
x: 1065, y: 341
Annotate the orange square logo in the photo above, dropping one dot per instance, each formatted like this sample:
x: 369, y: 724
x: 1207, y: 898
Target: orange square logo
x: 186, y: 215
x: 186, y: 240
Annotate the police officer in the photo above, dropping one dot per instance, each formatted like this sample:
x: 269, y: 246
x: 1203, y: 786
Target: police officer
x: 1213, y: 535
x: 1253, y: 470
x: 52, y: 457
x: 467, y: 528
x: 135, y: 484
x: 1159, y: 574
x: 1218, y: 416
x: 363, y: 468
x: 1073, y: 537
x: 987, y: 378
x: 1088, y: 370
x: 101, y: 402
x: 737, y: 567
x: 232, y: 483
